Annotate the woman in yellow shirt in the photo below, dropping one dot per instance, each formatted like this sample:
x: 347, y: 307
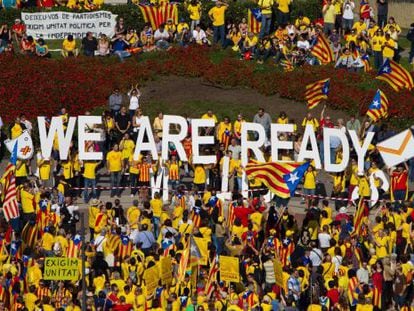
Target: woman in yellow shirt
x: 309, y: 184
x: 389, y: 47
x: 194, y: 10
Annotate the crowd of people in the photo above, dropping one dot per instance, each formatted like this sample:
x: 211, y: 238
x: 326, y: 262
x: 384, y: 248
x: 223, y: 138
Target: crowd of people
x: 353, y: 35
x: 325, y: 265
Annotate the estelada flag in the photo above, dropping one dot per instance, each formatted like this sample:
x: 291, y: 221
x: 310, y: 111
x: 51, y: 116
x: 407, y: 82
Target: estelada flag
x: 378, y: 109
x: 272, y: 175
x: 395, y: 75
x: 316, y: 92
x: 361, y: 212
x: 322, y: 50
x: 254, y: 17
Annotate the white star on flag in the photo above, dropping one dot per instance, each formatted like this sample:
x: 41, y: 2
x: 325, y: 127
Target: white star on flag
x: 386, y: 69
x: 293, y: 177
x: 376, y: 103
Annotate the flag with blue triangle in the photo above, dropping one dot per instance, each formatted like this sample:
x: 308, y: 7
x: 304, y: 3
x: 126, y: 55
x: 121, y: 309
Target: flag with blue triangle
x: 293, y: 178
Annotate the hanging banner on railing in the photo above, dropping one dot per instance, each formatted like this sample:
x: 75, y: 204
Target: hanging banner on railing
x: 58, y: 25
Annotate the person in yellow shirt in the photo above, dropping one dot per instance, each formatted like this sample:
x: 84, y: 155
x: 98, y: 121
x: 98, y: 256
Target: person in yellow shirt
x: 89, y: 176
x: 359, y: 26
x: 250, y: 43
x: 30, y: 299
x: 127, y: 147
x: 69, y: 47
x: 389, y: 47
x: 210, y: 115
x: 302, y: 22
x: 114, y: 166
x: 47, y: 241
x: 328, y: 11
x: 156, y: 207
x: 283, y: 11
x: 28, y: 204
x: 224, y: 130
x: 217, y: 17
x: 21, y: 173
x: 392, y: 23
x: 309, y: 184
x: 266, y: 9
x: 17, y: 129
x: 310, y: 120
x: 194, y: 10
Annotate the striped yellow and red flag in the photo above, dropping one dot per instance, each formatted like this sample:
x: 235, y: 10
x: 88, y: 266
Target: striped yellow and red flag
x: 316, y: 92
x: 182, y: 266
x: 29, y: 235
x: 157, y: 15
x: 376, y: 298
x: 271, y: 174
x: 361, y: 212
x: 395, y: 75
x: 322, y: 50
x: 378, y: 109
x: 212, y: 277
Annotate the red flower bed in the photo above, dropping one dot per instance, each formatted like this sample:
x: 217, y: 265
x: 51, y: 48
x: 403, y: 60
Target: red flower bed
x: 40, y: 86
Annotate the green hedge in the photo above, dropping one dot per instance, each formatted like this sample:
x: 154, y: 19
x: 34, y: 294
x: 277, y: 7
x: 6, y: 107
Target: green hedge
x: 133, y: 17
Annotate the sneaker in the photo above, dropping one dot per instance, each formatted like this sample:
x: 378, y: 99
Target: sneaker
x: 131, y: 195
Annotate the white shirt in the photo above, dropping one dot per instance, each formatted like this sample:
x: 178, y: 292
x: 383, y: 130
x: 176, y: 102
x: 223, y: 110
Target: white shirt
x: 337, y: 261
x: 134, y: 102
x: 324, y: 239
x: 316, y: 257
x: 99, y: 242
x: 158, y: 35
x: 303, y: 44
x: 363, y: 275
x: 349, y: 10
x: 199, y: 35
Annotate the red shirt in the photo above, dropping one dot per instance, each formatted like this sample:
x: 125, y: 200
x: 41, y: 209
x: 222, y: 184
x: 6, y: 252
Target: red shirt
x: 399, y: 180
x: 18, y: 28
x: 123, y: 307
x: 243, y: 214
x: 333, y: 295
x: 377, y: 280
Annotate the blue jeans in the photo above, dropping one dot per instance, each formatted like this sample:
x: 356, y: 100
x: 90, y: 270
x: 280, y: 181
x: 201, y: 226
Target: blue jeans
x: 265, y: 28
x: 89, y: 183
x: 378, y: 60
x: 219, y: 34
x: 162, y: 44
x: 133, y: 183
x: 122, y: 55
x: 219, y: 244
x: 156, y: 222
x: 174, y: 184
x: 399, y: 195
x: 115, y: 183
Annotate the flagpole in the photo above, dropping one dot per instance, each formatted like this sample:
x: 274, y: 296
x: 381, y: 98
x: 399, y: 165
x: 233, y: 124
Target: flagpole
x: 82, y: 220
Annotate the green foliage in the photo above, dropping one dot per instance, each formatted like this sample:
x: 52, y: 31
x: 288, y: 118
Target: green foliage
x: 133, y: 16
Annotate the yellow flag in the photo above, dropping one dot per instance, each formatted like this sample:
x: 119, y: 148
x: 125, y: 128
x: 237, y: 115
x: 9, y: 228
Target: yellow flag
x: 229, y: 269
x: 151, y: 278
x: 166, y: 270
x: 278, y: 272
x: 202, y: 245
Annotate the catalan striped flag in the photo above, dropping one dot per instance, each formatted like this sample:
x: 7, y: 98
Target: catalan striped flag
x: 287, y: 65
x: 361, y: 212
x: 378, y: 109
x: 254, y: 18
x: 322, y: 50
x: 395, y: 75
x: 182, y: 266
x: 212, y: 277
x: 157, y: 15
x: 272, y: 175
x: 376, y: 298
x: 74, y: 247
x: 195, y: 253
x: 30, y: 234
x: 231, y: 215
x: 367, y: 64
x: 124, y: 249
x: 364, y: 10
x: 316, y: 92
x: 10, y: 205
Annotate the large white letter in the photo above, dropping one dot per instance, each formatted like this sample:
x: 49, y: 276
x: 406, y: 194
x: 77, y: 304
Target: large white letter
x: 327, y: 134
x: 167, y: 137
x: 225, y: 174
x: 277, y: 144
x: 155, y: 182
x: 140, y: 145
x: 198, y: 140
x: 56, y: 127
x: 83, y: 137
x: 313, y: 153
x: 253, y: 145
x: 361, y: 150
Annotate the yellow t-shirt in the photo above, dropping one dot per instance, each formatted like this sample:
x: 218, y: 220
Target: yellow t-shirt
x: 44, y: 169
x: 283, y: 5
x: 114, y: 159
x: 69, y: 46
x: 21, y: 170
x: 377, y: 42
x: 67, y: 167
x: 90, y: 169
x: 27, y: 201
x: 30, y: 301
x: 329, y: 15
x: 47, y: 241
x: 359, y: 27
x: 156, y: 206
x: 266, y: 6
x: 218, y: 16
x: 249, y: 42
x: 199, y: 174
x: 388, y: 52
x: 310, y: 180
x: 127, y: 148
x: 181, y: 26
x: 194, y: 11
x: 16, y: 131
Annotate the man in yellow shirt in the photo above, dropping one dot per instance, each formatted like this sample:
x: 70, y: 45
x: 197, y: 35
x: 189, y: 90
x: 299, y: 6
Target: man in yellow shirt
x: 114, y: 166
x: 69, y: 47
x: 89, y: 176
x: 266, y: 7
x: 388, y: 50
x: 27, y: 201
x: 194, y: 10
x: 217, y: 16
x: 328, y: 12
x: 283, y: 12
x: 249, y: 44
x: 377, y: 42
